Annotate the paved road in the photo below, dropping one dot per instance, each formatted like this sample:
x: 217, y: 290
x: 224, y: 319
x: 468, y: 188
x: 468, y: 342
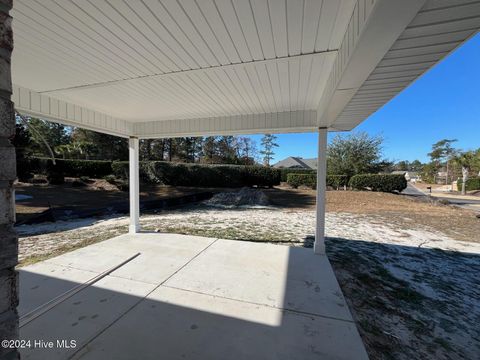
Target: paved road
x: 466, y: 203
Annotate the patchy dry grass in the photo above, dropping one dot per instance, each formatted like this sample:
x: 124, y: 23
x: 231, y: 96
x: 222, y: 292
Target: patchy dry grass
x: 409, y: 270
x: 410, y: 302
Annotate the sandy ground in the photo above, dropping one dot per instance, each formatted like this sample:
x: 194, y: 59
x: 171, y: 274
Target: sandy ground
x: 412, y: 285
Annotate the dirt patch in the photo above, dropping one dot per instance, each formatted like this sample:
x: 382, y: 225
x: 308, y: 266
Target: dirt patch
x: 245, y: 197
x: 399, y: 210
x: 97, y: 193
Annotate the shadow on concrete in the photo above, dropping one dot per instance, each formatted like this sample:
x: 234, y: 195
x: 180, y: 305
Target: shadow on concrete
x: 120, y: 318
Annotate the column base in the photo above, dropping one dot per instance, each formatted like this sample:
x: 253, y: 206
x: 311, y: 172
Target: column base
x: 319, y: 247
x: 133, y: 229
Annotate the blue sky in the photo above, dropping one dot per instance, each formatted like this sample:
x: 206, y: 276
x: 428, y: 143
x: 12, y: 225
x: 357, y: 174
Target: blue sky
x: 443, y: 103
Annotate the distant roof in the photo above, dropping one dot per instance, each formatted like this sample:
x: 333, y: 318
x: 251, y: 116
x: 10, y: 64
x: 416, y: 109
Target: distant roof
x: 297, y: 163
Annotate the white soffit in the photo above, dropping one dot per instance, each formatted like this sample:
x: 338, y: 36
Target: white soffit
x: 160, y: 68
x: 438, y: 28
x: 145, y: 60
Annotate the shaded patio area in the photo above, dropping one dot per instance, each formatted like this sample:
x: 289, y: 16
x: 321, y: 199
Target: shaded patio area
x: 190, y: 297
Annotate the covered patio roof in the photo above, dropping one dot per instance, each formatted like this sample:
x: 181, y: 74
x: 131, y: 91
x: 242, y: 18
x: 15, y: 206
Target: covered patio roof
x: 166, y: 68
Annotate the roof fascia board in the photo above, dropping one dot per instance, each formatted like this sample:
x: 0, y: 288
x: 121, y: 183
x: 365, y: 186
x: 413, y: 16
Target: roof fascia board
x: 367, y: 39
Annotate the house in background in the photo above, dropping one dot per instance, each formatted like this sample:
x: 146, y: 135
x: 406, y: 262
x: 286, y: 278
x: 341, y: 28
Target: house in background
x: 412, y: 176
x: 293, y: 162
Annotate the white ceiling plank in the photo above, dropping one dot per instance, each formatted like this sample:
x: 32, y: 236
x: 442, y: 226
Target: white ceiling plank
x: 295, y: 10
x: 446, y: 14
x: 67, y: 30
x: 244, y: 13
x: 152, y: 53
x: 258, y: 88
x: 113, y: 37
x: 203, y: 37
x: 230, y: 19
x: 249, y: 89
x: 156, y: 37
x: 216, y: 23
x: 267, y: 86
x: 294, y: 80
x: 160, y: 22
x: 303, y: 81
x: 344, y: 13
x: 264, y: 25
x: 278, y: 17
x: 327, y: 21
x: 284, y: 77
x: 311, y: 15
x: 222, y: 80
x: 274, y: 83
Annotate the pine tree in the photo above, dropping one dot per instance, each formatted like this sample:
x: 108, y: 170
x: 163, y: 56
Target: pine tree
x: 268, y: 144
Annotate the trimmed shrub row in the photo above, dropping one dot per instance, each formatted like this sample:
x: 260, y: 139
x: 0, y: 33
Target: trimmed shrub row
x: 310, y: 180
x: 161, y: 172
x: 73, y: 168
x: 378, y: 182
x: 337, y: 181
x: 286, y: 171
x: 472, y: 183
x: 296, y: 180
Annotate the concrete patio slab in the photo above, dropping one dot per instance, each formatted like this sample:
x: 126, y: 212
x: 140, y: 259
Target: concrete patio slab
x: 42, y: 282
x: 197, y: 326
x: 82, y: 317
x: 191, y: 297
x: 280, y: 276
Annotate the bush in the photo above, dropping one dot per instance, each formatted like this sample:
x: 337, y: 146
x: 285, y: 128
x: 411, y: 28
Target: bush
x: 167, y: 173
x: 310, y: 180
x: 110, y: 179
x: 296, y: 180
x: 472, y: 183
x: 286, y: 171
x: 337, y: 181
x: 378, y: 182
x: 120, y: 169
x: 123, y: 185
x: 55, y: 177
x: 71, y: 168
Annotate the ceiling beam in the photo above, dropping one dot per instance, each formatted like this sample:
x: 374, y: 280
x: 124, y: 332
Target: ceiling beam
x: 31, y: 103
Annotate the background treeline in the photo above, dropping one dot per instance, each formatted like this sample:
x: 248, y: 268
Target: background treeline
x: 76, y: 143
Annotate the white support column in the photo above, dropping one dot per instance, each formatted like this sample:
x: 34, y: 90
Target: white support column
x: 134, y: 185
x: 319, y: 246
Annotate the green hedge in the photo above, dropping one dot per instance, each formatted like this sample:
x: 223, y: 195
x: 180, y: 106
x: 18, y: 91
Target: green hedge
x: 287, y: 171
x: 296, y: 180
x: 72, y: 168
x: 472, y: 183
x: 337, y: 181
x: 161, y: 172
x: 310, y: 180
x: 378, y: 182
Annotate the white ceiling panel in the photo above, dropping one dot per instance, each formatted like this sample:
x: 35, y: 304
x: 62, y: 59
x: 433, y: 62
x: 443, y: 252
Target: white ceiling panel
x: 196, y: 63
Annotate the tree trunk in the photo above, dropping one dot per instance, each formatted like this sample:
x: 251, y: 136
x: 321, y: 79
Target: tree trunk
x: 464, y: 180
x: 446, y: 176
